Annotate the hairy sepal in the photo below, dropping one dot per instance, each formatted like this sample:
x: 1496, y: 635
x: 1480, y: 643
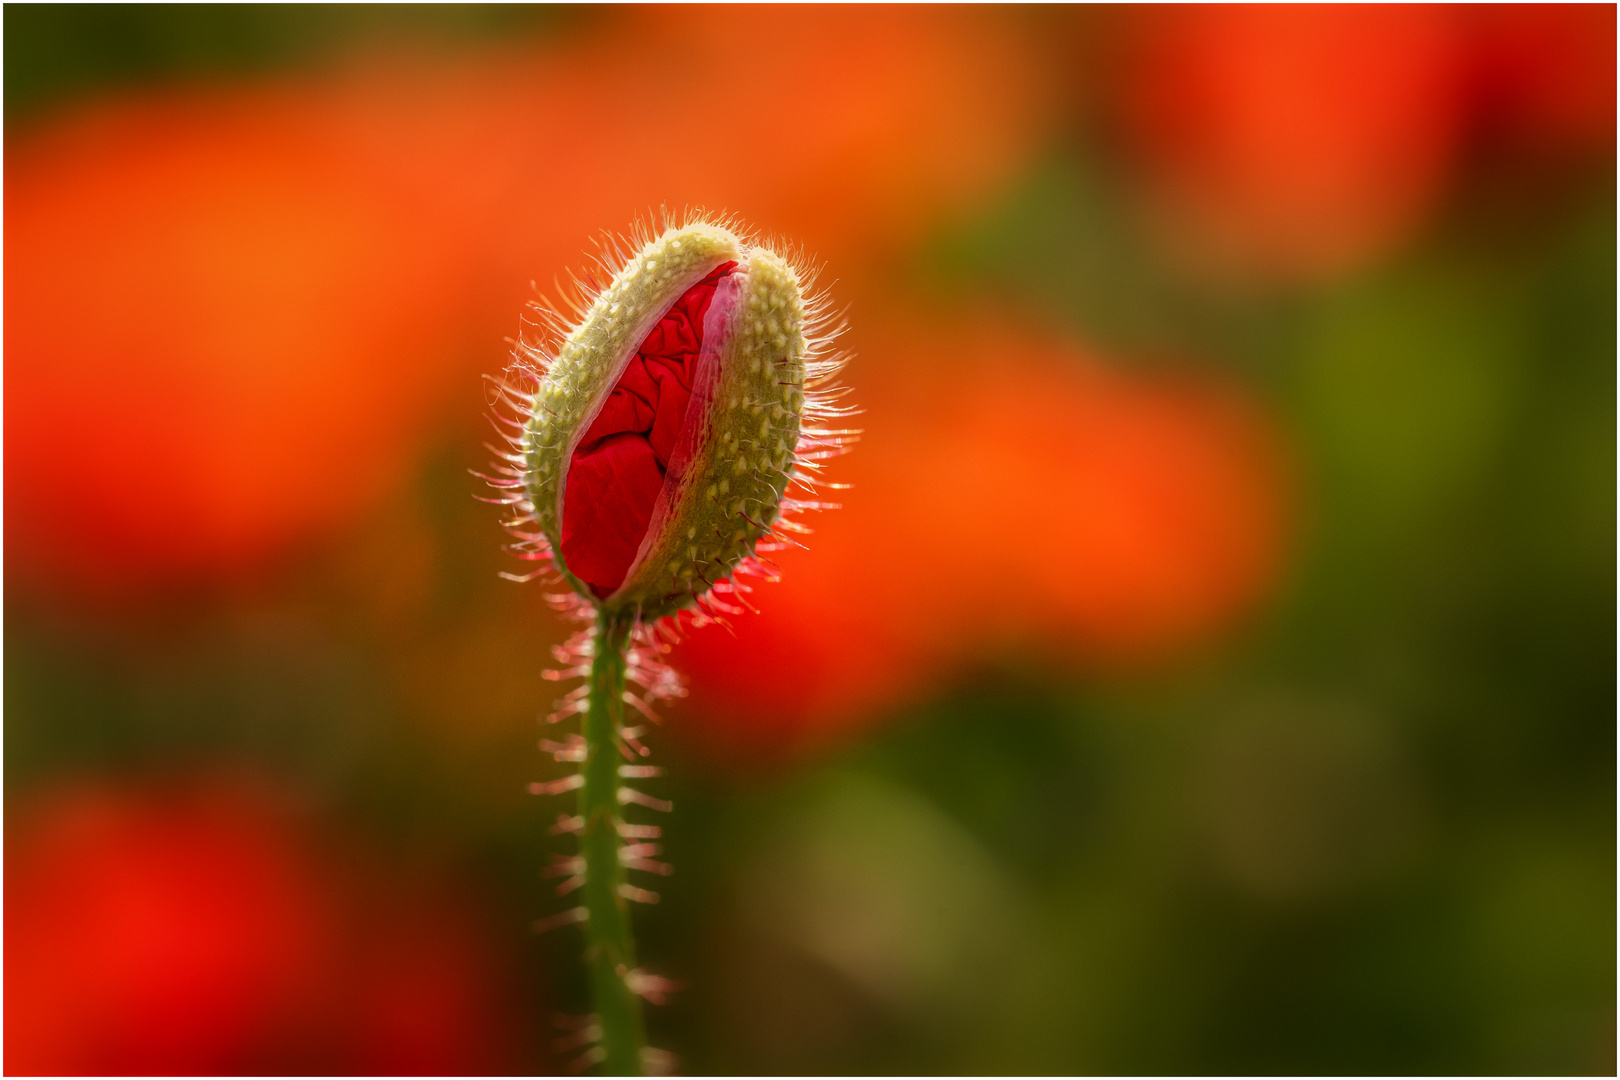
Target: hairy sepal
x: 592, y: 357
x: 725, y: 484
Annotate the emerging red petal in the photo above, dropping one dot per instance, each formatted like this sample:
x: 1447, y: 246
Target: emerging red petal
x: 618, y: 468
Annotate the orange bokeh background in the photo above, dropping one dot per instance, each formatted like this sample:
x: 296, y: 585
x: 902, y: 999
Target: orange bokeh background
x: 1012, y: 493
x: 232, y: 316
x: 247, y: 319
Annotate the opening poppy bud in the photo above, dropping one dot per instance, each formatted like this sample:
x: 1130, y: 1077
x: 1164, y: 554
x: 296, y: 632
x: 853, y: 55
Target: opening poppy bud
x: 663, y: 434
x: 649, y: 460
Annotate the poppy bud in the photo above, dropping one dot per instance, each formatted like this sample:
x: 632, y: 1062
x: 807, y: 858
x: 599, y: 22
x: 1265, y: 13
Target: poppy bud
x: 657, y: 440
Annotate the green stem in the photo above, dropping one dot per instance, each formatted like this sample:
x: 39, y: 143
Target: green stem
x: 610, y: 944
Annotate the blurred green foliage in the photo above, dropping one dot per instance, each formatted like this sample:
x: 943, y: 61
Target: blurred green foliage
x: 58, y: 52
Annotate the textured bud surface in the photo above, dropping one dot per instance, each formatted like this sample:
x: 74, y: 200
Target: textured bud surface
x: 658, y: 440
x: 741, y: 434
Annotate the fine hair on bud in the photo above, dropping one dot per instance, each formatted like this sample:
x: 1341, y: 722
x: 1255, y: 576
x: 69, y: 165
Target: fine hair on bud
x: 665, y: 424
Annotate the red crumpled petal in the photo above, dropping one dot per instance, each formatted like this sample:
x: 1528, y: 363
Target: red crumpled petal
x: 618, y: 468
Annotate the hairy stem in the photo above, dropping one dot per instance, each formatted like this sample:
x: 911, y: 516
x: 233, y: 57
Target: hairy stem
x: 610, y: 944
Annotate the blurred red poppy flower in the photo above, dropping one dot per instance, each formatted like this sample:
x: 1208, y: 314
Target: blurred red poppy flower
x: 1294, y: 140
x: 1546, y: 75
x: 221, y: 332
x: 194, y: 930
x: 425, y: 982
x: 150, y: 938
x: 231, y: 313
x: 1036, y: 499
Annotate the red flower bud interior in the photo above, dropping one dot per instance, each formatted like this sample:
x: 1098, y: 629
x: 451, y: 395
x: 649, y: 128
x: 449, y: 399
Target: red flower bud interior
x: 618, y: 469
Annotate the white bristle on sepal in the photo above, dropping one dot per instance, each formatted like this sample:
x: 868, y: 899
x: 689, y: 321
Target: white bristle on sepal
x: 639, y: 832
x: 654, y: 988
x: 655, y: 1062
x: 557, y: 787
x: 564, y: 866
x: 562, y: 918
x: 628, y: 796
x: 584, y: 1036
